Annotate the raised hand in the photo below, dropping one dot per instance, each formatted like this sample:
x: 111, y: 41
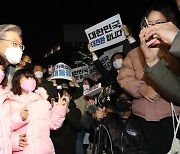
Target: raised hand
x: 24, y: 113
x: 22, y: 140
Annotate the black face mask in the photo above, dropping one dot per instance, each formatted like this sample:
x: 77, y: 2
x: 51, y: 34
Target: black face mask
x: 28, y: 65
x: 122, y: 105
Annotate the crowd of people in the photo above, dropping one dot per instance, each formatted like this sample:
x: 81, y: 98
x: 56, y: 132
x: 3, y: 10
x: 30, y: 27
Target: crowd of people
x: 133, y: 117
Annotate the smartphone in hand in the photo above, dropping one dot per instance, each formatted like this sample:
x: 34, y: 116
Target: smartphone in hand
x: 145, y: 24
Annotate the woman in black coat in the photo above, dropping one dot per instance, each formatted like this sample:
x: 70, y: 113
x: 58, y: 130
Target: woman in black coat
x: 64, y: 139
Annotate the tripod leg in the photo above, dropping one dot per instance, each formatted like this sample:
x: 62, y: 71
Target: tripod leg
x: 100, y: 139
x: 94, y: 141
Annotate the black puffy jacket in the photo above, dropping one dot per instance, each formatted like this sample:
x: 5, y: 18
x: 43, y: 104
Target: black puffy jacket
x: 126, y: 135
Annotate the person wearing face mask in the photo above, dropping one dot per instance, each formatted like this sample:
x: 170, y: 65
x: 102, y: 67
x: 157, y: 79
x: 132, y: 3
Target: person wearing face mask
x: 32, y: 114
x: 25, y: 62
x: 126, y: 136
x: 11, y: 46
x: 81, y: 103
x: 117, y: 63
x: 64, y: 139
x: 109, y: 77
x: 117, y: 60
x: 42, y: 82
x: 5, y: 122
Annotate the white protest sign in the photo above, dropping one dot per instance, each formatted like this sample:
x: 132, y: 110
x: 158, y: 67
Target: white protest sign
x: 106, y: 33
x: 90, y: 71
x: 61, y: 71
x: 80, y: 73
x: 105, y: 60
x: 93, y: 72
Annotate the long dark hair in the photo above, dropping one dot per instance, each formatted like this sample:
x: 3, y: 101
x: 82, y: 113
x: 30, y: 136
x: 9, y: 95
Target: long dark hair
x: 165, y: 10
x: 3, y: 64
x: 90, y: 81
x: 16, y: 88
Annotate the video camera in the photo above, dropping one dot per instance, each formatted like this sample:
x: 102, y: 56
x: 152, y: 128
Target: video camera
x: 117, y: 102
x: 105, y: 97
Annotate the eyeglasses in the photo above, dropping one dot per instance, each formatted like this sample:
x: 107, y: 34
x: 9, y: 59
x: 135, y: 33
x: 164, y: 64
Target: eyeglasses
x: 145, y: 23
x: 159, y: 22
x: 15, y: 44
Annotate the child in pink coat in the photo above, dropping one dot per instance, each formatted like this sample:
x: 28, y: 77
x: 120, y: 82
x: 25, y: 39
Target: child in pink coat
x: 32, y: 114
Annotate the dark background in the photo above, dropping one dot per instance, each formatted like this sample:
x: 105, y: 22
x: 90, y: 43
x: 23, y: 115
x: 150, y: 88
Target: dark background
x: 47, y: 24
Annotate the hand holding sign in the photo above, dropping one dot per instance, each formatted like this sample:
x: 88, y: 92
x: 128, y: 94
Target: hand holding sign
x: 105, y: 33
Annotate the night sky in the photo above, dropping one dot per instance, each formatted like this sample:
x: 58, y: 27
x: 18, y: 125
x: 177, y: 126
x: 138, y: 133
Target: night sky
x: 45, y: 23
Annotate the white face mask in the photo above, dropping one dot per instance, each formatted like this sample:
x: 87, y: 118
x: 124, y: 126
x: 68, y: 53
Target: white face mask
x: 117, y: 63
x: 13, y: 55
x: 38, y: 74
